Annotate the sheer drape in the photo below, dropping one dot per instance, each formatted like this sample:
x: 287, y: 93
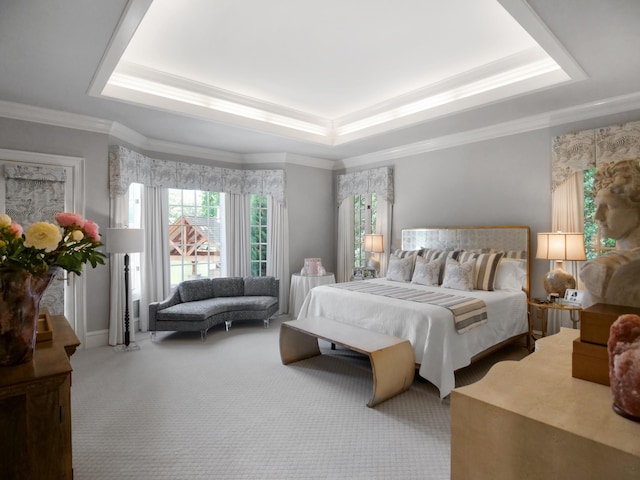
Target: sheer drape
x: 237, y: 235
x: 567, y: 216
x: 156, y: 283
x: 119, y: 214
x: 345, y: 240
x: 383, y: 226
x: 278, y: 248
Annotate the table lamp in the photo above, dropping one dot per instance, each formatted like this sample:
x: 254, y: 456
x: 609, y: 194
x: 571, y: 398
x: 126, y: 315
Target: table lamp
x: 373, y: 243
x: 125, y: 240
x: 560, y: 246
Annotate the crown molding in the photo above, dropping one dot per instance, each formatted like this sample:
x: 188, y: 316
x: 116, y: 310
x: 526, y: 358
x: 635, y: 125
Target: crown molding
x: 57, y: 118
x: 611, y: 106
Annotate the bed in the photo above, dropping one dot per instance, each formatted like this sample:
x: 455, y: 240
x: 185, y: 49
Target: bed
x: 442, y: 344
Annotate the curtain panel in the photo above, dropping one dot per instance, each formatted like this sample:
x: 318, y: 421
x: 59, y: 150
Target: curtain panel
x: 127, y: 167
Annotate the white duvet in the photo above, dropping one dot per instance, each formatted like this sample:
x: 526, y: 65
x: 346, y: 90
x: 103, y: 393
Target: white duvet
x: 438, y: 348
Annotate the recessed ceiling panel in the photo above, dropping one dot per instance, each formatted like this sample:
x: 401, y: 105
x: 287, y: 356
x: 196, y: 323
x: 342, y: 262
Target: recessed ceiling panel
x: 328, y: 71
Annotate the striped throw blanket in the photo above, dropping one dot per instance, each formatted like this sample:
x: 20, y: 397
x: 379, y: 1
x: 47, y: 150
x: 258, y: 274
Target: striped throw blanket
x: 467, y: 312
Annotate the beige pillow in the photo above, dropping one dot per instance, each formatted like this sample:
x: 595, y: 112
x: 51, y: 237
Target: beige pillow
x: 459, y: 276
x: 427, y: 272
x: 399, y: 269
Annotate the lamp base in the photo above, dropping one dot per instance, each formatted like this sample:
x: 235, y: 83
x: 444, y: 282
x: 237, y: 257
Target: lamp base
x: 132, y: 347
x: 557, y: 281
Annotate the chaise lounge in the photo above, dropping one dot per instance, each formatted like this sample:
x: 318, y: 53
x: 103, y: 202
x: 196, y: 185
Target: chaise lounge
x: 198, y: 305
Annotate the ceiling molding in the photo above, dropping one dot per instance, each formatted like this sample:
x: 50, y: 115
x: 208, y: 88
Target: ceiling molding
x: 57, y: 118
x: 612, y: 106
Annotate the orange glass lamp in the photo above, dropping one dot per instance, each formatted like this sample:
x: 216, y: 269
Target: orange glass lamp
x: 373, y: 243
x: 560, y: 246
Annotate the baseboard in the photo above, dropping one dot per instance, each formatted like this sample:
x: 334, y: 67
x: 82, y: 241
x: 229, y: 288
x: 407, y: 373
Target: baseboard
x: 99, y: 338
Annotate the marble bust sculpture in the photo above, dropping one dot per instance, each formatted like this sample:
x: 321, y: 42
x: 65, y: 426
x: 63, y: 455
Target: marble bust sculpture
x: 614, y: 278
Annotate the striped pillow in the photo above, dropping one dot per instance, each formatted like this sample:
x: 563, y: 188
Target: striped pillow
x: 486, y: 268
x: 430, y: 254
x: 406, y: 253
x: 515, y: 254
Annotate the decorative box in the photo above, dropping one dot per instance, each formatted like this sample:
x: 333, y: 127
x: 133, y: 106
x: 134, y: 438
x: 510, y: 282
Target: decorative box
x: 590, y: 362
x: 595, y: 321
x: 44, y: 331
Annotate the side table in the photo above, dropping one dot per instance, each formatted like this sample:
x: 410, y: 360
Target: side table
x: 301, y: 285
x: 540, y: 308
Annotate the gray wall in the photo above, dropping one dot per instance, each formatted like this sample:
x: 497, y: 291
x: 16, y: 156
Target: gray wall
x: 497, y: 182
x: 311, y: 206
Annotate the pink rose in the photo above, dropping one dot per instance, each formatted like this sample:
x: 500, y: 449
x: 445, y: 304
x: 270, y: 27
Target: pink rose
x: 67, y: 219
x: 15, y: 229
x: 91, y: 230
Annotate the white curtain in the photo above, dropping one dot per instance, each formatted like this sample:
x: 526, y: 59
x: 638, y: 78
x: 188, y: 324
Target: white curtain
x: 119, y: 213
x: 567, y: 216
x: 278, y: 248
x: 346, y: 240
x: 156, y: 283
x: 237, y: 235
x: 383, y: 226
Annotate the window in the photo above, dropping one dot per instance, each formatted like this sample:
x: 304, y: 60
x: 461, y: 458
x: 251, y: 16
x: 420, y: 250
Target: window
x: 365, y: 214
x: 194, y: 234
x: 594, y: 244
x: 258, y: 226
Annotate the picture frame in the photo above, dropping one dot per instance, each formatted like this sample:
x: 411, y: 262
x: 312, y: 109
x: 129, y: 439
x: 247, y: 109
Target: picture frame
x: 357, y: 273
x: 368, y: 272
x: 573, y: 297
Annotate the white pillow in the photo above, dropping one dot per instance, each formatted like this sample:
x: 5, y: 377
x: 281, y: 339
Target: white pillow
x: 399, y: 269
x: 427, y: 272
x: 459, y: 276
x: 511, y: 274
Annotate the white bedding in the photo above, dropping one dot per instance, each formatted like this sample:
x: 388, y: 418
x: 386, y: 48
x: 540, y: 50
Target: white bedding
x: 438, y: 348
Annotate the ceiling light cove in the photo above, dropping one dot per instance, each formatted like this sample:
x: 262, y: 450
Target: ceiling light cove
x: 138, y: 85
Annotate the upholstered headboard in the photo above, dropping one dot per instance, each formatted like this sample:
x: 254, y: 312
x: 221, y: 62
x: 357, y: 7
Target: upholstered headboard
x: 515, y: 241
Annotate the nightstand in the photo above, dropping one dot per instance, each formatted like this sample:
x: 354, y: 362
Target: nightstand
x: 540, y: 308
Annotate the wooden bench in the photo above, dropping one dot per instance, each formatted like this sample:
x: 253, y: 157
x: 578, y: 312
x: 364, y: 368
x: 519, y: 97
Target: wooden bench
x: 392, y: 360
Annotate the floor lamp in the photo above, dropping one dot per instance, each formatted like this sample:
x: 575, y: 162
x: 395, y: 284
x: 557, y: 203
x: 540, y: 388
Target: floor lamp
x: 125, y: 240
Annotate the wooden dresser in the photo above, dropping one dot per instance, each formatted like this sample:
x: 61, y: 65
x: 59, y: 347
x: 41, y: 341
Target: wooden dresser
x: 532, y: 419
x: 35, y: 410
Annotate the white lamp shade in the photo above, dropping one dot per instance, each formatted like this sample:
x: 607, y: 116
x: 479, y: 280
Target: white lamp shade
x: 124, y: 240
x: 561, y: 246
x: 373, y: 243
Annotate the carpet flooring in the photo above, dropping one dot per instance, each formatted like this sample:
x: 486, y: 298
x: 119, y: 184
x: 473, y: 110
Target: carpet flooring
x: 228, y: 409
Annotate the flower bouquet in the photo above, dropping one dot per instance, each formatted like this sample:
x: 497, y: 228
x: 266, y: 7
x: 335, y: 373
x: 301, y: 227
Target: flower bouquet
x: 29, y: 260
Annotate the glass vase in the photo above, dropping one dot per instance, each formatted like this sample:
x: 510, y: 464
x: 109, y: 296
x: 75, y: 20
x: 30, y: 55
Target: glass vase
x: 20, y: 294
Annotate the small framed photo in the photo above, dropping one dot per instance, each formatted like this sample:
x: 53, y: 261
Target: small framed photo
x: 368, y: 272
x: 573, y: 297
x: 357, y: 272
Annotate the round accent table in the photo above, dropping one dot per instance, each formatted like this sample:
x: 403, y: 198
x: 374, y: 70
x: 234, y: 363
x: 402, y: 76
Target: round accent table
x: 301, y: 285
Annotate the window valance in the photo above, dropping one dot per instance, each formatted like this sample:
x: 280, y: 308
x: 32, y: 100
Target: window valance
x: 25, y: 172
x: 376, y: 180
x: 127, y: 166
x: 579, y: 151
